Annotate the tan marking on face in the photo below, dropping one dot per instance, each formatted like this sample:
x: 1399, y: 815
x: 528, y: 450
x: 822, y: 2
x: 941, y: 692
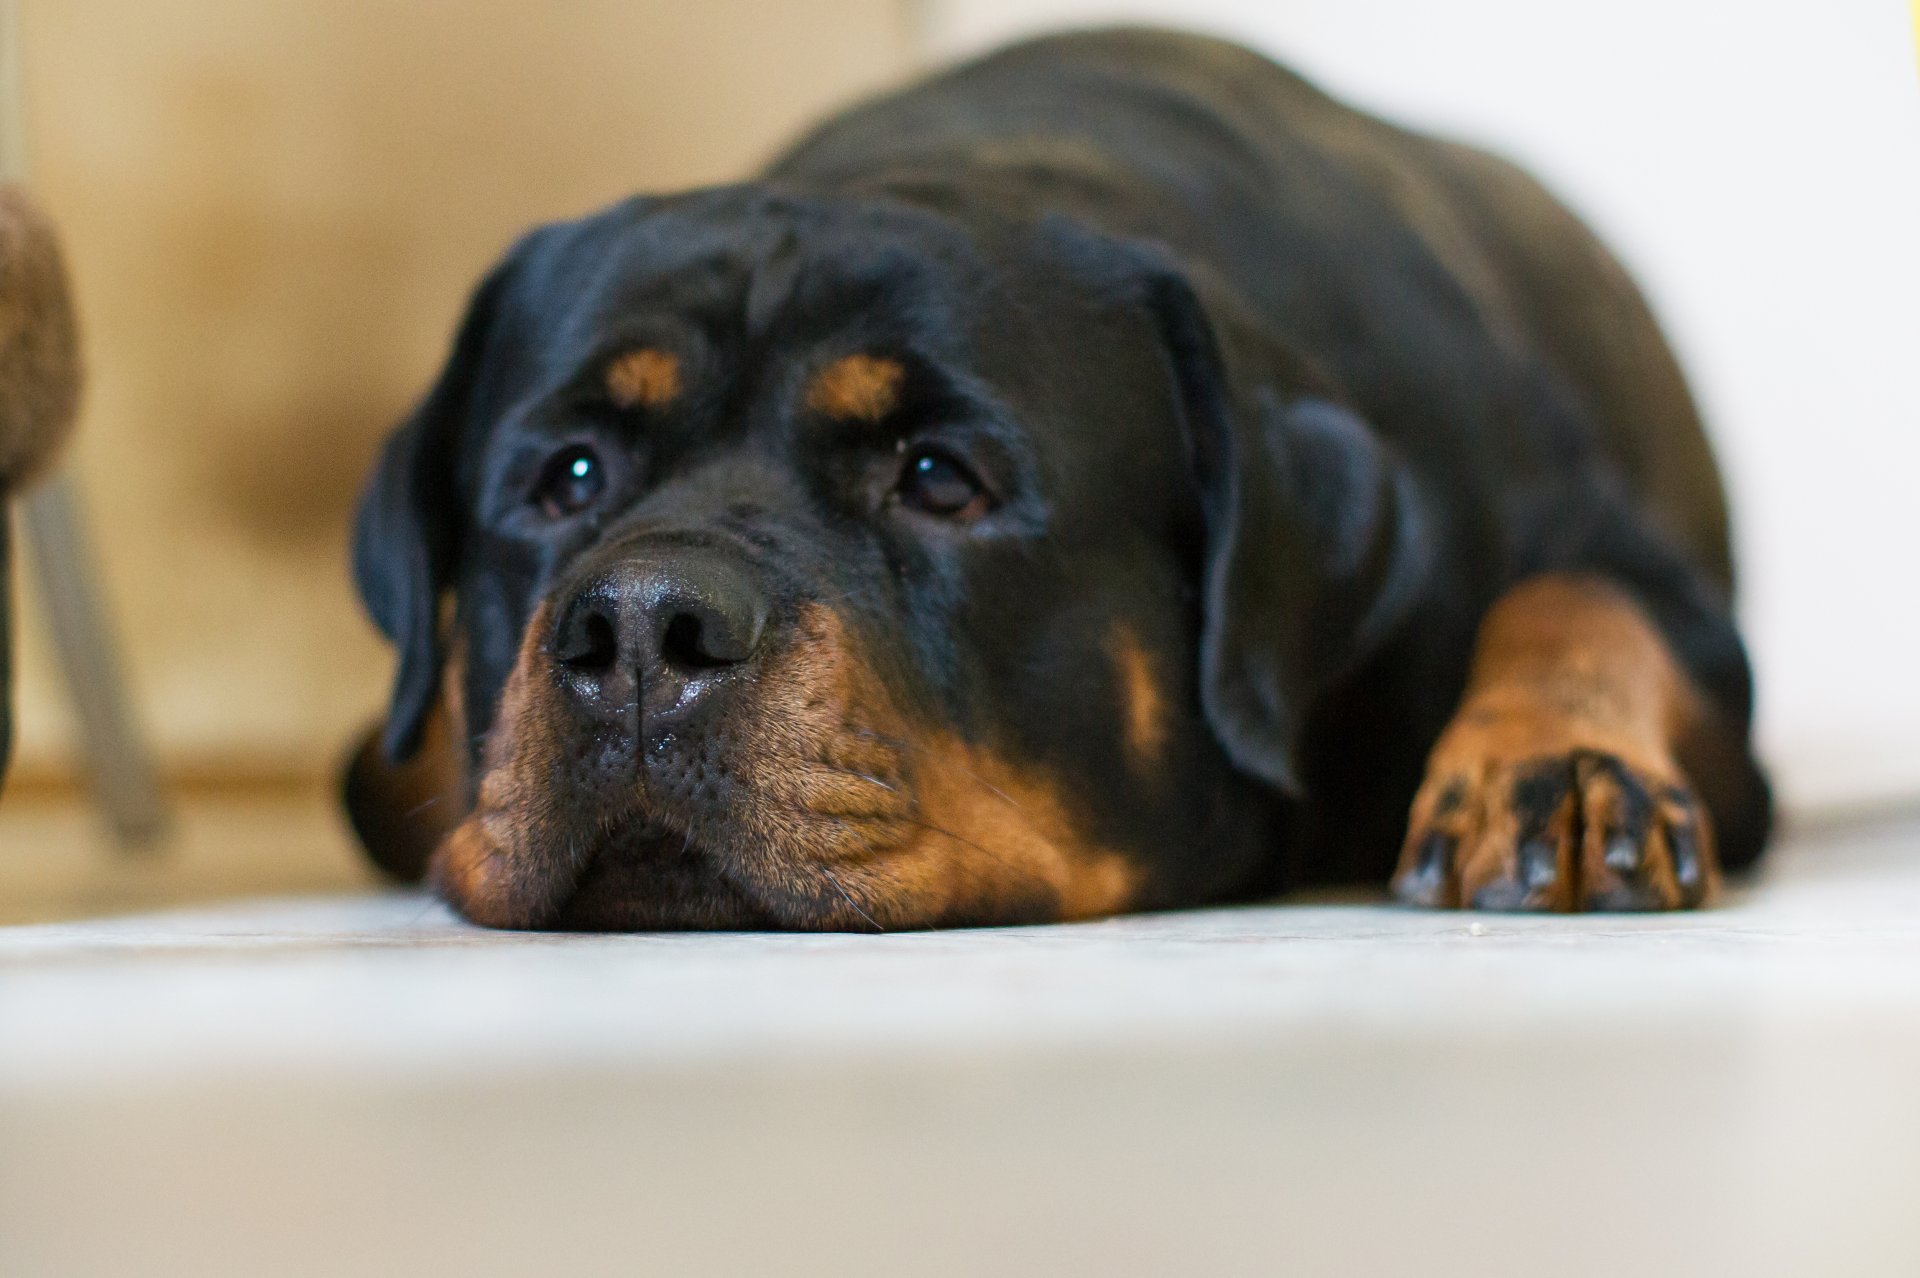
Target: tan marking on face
x: 497, y: 867
x: 1143, y: 706
x: 996, y: 830
x: 913, y: 823
x: 645, y: 378
x: 860, y: 388
x: 846, y: 812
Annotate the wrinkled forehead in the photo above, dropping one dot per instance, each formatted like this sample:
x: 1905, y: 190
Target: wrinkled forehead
x: 740, y: 266
x: 740, y: 283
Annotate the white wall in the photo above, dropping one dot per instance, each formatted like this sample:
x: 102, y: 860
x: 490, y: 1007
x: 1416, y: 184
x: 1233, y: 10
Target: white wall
x: 1757, y: 162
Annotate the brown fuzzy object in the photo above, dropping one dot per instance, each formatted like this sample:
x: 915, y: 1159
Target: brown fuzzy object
x: 39, y: 347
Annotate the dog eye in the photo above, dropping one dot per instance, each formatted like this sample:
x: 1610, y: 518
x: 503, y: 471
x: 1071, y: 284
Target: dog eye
x: 935, y: 483
x: 572, y: 480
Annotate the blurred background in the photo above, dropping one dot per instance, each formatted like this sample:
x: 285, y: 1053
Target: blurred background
x: 273, y: 210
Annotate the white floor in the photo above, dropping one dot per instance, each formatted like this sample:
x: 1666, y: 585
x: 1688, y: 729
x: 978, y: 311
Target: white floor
x: 359, y: 1084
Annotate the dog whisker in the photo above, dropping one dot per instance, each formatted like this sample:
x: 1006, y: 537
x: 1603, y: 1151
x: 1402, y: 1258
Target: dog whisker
x: 905, y: 743
x: 848, y: 898
x: 991, y: 855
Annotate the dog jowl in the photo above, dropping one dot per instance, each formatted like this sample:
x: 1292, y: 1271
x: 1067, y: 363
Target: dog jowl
x: 1076, y: 484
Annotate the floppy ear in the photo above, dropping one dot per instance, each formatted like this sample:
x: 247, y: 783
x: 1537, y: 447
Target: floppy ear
x: 1315, y: 548
x: 406, y: 530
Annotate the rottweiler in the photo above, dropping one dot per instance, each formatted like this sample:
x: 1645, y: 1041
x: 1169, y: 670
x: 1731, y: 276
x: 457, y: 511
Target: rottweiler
x: 1110, y: 475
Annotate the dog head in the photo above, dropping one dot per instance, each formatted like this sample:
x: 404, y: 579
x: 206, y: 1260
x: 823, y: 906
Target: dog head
x: 827, y: 562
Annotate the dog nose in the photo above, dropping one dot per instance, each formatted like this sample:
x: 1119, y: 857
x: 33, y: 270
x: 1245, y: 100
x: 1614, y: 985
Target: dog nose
x: 642, y: 637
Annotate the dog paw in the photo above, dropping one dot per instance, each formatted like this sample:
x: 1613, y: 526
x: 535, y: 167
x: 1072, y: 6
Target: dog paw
x: 1573, y: 830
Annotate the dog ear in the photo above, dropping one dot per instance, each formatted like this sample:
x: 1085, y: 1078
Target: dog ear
x: 1314, y: 543
x: 405, y: 537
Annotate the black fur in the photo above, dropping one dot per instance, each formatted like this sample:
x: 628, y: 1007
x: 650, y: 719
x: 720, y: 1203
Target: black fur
x: 1292, y: 393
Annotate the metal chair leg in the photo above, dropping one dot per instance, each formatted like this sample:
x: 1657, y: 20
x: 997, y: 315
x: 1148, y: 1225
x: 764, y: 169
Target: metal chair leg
x: 121, y: 767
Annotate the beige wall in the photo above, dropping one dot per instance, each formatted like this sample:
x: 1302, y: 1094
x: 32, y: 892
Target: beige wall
x: 273, y: 210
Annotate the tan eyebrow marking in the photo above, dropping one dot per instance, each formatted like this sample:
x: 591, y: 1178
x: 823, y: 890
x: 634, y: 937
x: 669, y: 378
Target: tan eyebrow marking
x: 861, y: 388
x: 646, y: 378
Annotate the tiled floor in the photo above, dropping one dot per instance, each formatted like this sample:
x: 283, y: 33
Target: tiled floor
x: 349, y: 1081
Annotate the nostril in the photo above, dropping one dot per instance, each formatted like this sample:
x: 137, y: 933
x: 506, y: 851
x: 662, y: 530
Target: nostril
x: 644, y: 629
x: 587, y: 640
x: 689, y: 642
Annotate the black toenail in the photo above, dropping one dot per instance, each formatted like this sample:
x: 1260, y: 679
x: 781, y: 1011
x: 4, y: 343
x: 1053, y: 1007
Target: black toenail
x: 1539, y: 863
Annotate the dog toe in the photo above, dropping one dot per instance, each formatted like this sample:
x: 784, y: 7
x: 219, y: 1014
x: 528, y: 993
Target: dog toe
x: 1581, y: 830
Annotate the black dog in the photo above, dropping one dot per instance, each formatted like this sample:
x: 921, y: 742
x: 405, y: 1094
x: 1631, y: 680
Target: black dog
x: 1107, y: 476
